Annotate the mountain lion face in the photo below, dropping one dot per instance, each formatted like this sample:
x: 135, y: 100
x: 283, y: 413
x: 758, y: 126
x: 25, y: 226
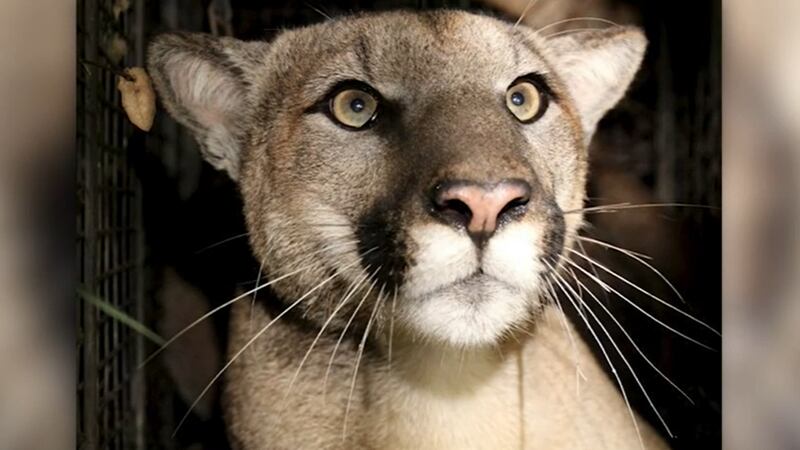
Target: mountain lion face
x: 426, y: 168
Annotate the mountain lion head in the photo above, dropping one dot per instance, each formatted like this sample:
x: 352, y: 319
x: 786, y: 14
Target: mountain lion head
x: 433, y: 162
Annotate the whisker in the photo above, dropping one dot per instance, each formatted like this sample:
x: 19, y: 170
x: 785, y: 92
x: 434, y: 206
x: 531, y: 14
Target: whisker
x: 351, y: 290
x: 255, y: 294
x: 624, y: 360
x: 317, y: 10
x: 635, y: 256
x: 360, y: 353
x: 345, y: 224
x: 606, y: 286
x: 224, y: 241
x: 608, y: 245
x: 563, y: 319
x: 391, y: 327
x: 217, y: 309
x: 656, y: 298
x: 344, y: 331
x: 594, y: 270
x: 254, y: 338
x: 632, y: 341
x: 462, y: 353
x: 571, y: 31
x: 575, y: 19
x: 556, y: 278
x: 614, y: 207
x: 525, y: 11
x: 234, y: 300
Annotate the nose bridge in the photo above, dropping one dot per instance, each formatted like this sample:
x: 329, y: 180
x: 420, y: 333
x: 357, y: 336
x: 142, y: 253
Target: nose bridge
x: 466, y: 136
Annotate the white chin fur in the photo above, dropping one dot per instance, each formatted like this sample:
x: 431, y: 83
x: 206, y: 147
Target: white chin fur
x: 474, y: 312
x: 443, y: 256
x: 447, y: 299
x: 512, y: 256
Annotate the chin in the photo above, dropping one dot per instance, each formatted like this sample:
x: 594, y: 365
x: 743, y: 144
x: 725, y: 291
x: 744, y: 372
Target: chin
x: 461, y: 295
x: 473, y: 312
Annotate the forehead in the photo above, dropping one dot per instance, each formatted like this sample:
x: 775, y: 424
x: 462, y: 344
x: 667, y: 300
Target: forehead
x: 395, y: 51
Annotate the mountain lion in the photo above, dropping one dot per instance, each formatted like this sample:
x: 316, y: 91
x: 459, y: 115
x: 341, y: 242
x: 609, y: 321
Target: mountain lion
x: 413, y: 184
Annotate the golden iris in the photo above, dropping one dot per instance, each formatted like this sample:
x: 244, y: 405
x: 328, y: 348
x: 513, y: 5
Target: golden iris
x: 354, y: 108
x: 524, y: 100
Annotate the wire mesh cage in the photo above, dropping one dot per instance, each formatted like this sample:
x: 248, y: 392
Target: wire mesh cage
x: 110, y: 244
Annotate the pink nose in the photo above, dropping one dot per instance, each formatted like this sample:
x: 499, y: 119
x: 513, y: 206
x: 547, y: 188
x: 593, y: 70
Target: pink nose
x: 480, y: 207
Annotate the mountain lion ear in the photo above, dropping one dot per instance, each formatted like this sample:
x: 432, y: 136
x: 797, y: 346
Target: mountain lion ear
x: 597, y: 67
x: 201, y: 81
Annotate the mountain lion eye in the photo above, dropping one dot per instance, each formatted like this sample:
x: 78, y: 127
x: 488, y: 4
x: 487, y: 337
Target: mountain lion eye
x: 354, y: 108
x: 525, y: 101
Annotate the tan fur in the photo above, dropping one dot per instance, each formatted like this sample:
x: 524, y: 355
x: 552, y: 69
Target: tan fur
x: 524, y: 396
x: 482, y: 361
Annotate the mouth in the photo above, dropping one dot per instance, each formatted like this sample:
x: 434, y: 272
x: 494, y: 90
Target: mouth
x: 473, y: 310
x: 457, y: 294
x: 474, y: 282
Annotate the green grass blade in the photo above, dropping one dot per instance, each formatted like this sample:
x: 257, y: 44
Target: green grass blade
x: 120, y: 316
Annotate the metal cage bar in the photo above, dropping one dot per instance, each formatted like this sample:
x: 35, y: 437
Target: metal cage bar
x: 110, y: 243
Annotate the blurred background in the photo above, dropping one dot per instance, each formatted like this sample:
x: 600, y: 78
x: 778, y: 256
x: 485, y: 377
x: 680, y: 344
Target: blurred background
x: 761, y: 140
x: 150, y: 235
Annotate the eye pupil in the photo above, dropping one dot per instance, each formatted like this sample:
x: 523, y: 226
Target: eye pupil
x: 357, y: 105
x: 517, y: 99
x: 353, y: 107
